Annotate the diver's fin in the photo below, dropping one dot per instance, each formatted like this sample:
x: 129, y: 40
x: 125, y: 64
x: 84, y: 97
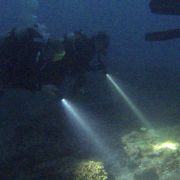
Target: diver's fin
x: 167, y: 7
x: 163, y: 35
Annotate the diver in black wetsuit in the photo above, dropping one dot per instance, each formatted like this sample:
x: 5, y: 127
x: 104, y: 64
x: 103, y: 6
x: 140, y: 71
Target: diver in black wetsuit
x: 27, y: 62
x: 20, y: 59
x: 80, y: 52
x: 72, y: 57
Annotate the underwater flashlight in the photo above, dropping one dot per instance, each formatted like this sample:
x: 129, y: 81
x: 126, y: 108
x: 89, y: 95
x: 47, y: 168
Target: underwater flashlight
x: 63, y: 100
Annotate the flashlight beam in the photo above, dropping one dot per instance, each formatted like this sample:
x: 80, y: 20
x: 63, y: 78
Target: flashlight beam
x: 76, y: 116
x: 82, y: 122
x: 133, y: 107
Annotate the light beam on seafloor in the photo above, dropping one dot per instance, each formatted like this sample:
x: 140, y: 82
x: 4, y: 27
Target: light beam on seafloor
x: 133, y: 107
x: 81, y: 120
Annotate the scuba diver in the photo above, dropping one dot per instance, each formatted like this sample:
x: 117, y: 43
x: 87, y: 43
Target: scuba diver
x: 101, y: 43
x: 27, y: 61
x: 81, y: 51
x: 72, y: 57
x: 21, y: 55
x: 52, y: 71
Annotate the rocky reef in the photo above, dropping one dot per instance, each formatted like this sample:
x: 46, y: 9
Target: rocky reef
x: 153, y: 153
x: 37, y: 142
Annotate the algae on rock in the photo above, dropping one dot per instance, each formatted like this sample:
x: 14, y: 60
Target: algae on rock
x: 90, y: 170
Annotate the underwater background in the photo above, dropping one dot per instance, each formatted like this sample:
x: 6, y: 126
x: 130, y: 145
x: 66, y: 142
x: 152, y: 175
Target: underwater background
x: 33, y: 125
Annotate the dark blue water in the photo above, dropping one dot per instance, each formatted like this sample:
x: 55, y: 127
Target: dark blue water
x: 149, y: 71
x: 126, y: 21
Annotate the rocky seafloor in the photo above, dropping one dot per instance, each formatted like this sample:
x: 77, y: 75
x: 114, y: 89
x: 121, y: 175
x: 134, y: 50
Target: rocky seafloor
x: 36, y: 143
x: 153, y: 153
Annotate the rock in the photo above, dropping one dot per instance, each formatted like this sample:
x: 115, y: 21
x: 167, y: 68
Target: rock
x: 157, y: 150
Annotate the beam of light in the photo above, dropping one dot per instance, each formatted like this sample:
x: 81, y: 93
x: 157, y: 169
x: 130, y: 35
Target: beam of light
x: 168, y: 145
x: 81, y: 120
x: 133, y: 107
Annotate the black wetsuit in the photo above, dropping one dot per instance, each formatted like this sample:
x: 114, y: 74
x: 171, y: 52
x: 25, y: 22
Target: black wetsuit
x: 20, y: 67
